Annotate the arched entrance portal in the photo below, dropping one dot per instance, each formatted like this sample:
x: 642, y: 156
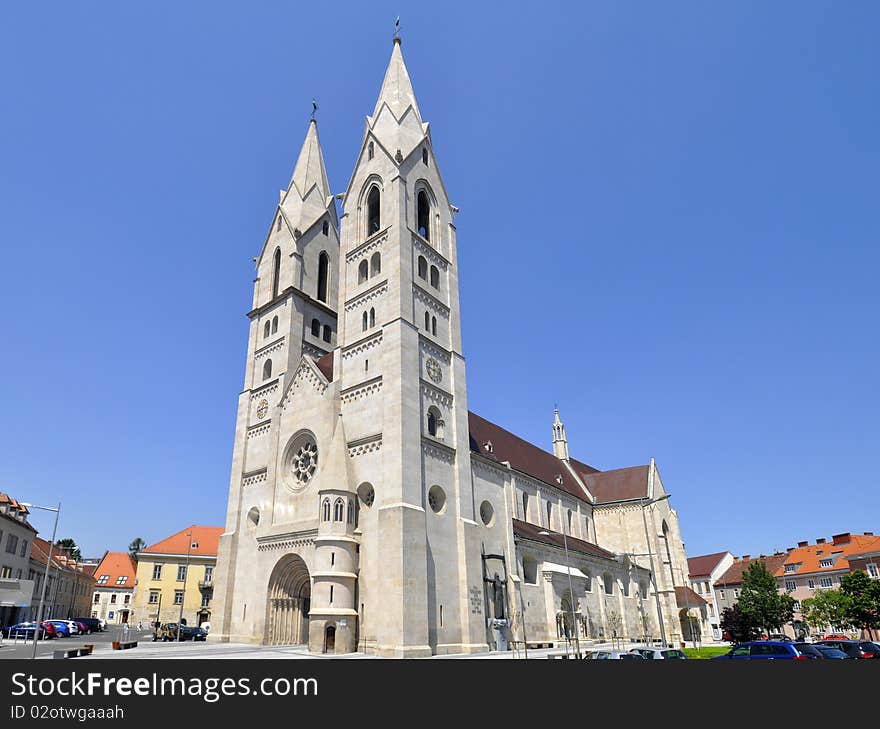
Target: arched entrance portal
x: 290, y: 590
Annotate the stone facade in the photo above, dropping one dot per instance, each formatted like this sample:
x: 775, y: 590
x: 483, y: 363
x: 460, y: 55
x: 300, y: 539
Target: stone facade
x: 368, y: 509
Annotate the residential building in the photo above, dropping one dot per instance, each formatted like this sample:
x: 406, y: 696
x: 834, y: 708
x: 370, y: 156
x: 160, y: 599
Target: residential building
x: 69, y: 588
x: 703, y: 571
x: 867, y: 558
x: 368, y: 508
x: 728, y: 585
x: 16, y: 538
x: 114, y: 586
x: 175, y: 577
x: 809, y: 568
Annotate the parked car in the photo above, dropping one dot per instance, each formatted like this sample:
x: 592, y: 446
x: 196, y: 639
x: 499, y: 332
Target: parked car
x: 780, y: 637
x: 836, y: 636
x: 168, y: 631
x: 93, y: 625
x: 61, y: 629
x: 831, y: 653
x: 26, y: 630
x: 855, y: 648
x: 188, y: 632
x: 72, y: 626
x: 614, y: 656
x: 809, y: 650
x: 766, y: 650
x: 658, y: 654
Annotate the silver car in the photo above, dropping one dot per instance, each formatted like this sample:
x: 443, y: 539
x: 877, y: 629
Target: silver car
x: 658, y: 654
x: 605, y: 655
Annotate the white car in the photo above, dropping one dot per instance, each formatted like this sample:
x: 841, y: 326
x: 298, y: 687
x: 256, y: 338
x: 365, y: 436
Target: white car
x: 654, y: 654
x: 72, y: 626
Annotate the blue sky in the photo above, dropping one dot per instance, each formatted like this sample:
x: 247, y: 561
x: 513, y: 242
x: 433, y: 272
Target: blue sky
x: 668, y: 227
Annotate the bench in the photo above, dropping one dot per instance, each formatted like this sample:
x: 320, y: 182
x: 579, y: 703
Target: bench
x: 121, y: 645
x: 67, y: 653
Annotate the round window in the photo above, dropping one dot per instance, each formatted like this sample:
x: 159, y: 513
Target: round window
x: 366, y: 494
x: 487, y: 513
x: 300, y: 461
x: 436, y: 499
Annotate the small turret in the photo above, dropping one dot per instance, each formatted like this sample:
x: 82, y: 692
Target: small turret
x: 560, y: 442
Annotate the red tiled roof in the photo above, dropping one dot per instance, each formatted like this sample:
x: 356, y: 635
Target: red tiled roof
x: 14, y: 506
x: 807, y: 558
x: 531, y: 531
x: 325, y: 364
x: 206, y: 537
x: 703, y: 565
x: 686, y: 597
x: 40, y: 553
x: 734, y: 574
x: 522, y: 455
x: 116, y: 565
x: 621, y: 484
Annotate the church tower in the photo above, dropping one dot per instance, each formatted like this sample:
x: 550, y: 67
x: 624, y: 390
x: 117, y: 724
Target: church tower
x: 560, y: 442
x: 293, y: 314
x: 400, y: 337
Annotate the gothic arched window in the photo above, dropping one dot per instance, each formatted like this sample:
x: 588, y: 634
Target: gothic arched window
x: 266, y: 329
x: 372, y: 317
x: 327, y: 333
x: 339, y: 510
x: 350, y: 513
x: 373, y: 218
x: 549, y: 515
x: 325, y: 229
x: 316, y: 328
x: 363, y: 271
x: 375, y: 264
x: 423, y: 215
x: 435, y: 277
x: 435, y: 422
x: 427, y: 322
x: 434, y: 325
x: 569, y: 522
x: 370, y: 151
x: 424, y: 155
x: 325, y: 510
x: 274, y: 324
x: 267, y: 369
x: 323, y: 276
x: 278, y: 224
x: 276, y: 272
x: 364, y: 322
x: 423, y: 268
x: 525, y: 502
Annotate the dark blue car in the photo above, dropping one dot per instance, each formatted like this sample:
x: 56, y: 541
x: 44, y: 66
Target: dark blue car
x: 765, y: 650
x: 26, y: 630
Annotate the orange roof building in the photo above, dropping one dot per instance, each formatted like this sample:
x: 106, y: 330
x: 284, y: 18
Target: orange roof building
x: 114, y: 587
x: 175, y: 577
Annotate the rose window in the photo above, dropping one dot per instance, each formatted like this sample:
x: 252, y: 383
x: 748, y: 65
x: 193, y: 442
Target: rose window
x: 305, y: 461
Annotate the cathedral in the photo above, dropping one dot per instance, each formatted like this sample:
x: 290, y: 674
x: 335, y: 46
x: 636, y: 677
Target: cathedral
x: 369, y: 510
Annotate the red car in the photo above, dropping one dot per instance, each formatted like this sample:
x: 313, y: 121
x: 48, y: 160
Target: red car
x: 836, y: 636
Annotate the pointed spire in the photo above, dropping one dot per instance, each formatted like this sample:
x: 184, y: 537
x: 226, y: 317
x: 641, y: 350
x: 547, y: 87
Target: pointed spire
x: 337, y: 464
x: 397, y: 91
x: 308, y: 195
x: 560, y: 442
x: 310, y: 170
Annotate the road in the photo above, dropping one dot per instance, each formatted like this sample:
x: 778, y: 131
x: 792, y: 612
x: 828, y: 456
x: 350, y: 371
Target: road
x: 102, y: 642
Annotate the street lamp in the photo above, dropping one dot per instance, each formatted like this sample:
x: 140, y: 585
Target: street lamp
x: 46, y: 576
x: 643, y: 503
x: 185, y: 575
x: 577, y: 645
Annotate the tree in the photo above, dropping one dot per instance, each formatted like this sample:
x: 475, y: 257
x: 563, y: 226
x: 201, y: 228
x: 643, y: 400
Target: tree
x: 828, y: 607
x: 736, y: 624
x: 760, y: 599
x: 68, y: 547
x: 864, y: 600
x: 137, y: 544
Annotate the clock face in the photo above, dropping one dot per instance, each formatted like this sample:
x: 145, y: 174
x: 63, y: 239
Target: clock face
x: 263, y: 409
x: 434, y: 371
